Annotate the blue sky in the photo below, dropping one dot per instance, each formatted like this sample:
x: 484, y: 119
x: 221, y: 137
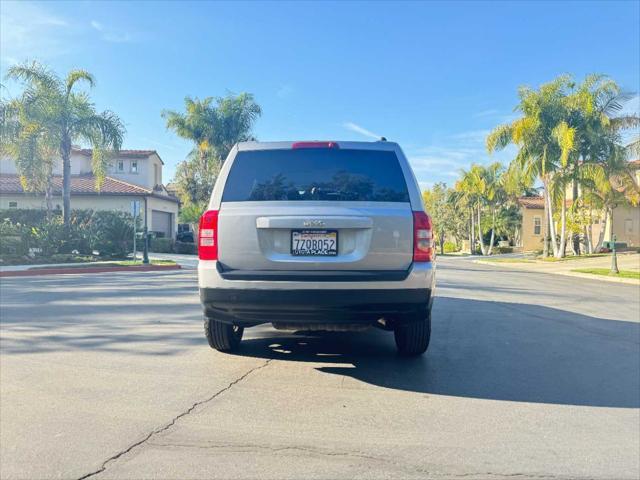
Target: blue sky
x: 433, y: 76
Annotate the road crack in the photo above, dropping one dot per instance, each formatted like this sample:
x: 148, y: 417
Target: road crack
x: 173, y: 421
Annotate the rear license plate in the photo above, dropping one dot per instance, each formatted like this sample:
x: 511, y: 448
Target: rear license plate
x: 314, y: 243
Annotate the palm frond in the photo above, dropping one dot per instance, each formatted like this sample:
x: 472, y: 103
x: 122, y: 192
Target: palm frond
x: 36, y: 74
x: 76, y: 76
x: 499, y: 138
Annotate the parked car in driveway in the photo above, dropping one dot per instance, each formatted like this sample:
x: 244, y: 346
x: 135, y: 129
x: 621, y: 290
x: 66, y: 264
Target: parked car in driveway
x: 185, y: 234
x: 317, y: 236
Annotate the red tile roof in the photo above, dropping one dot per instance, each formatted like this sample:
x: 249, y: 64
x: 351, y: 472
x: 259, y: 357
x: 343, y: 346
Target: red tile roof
x: 532, y: 202
x: 121, y: 153
x: 80, y: 185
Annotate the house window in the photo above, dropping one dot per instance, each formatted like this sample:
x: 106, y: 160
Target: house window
x: 120, y: 165
x: 134, y: 166
x: 156, y: 177
x: 628, y: 226
x: 13, y: 204
x: 537, y: 225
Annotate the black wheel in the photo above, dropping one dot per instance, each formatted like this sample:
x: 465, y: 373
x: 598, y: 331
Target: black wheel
x: 412, y: 338
x: 224, y: 337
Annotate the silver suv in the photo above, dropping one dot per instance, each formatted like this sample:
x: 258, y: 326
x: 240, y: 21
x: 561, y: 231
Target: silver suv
x: 316, y: 236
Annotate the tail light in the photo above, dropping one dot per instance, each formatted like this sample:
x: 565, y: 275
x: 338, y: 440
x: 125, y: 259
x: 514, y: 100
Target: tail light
x: 298, y: 145
x: 422, y: 237
x: 208, y: 236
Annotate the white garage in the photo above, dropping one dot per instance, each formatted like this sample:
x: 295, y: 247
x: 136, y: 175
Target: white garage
x: 162, y: 223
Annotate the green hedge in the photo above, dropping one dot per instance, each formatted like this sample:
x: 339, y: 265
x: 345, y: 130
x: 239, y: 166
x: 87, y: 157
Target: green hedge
x: 161, y: 245
x: 109, y: 233
x: 26, y: 216
x: 188, y: 248
x: 450, y: 247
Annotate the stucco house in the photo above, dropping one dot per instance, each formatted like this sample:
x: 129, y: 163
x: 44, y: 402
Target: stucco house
x: 625, y: 224
x: 132, y: 175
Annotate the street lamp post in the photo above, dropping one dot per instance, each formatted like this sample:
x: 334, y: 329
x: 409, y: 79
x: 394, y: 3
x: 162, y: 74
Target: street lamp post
x: 145, y: 252
x: 614, y: 259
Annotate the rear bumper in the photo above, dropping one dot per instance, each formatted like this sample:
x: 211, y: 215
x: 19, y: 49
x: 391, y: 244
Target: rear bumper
x: 213, y: 275
x: 318, y: 298
x: 312, y: 306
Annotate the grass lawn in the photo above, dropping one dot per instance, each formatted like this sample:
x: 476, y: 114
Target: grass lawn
x: 116, y: 263
x: 570, y: 258
x: 507, y: 260
x: 607, y: 272
x: 543, y: 259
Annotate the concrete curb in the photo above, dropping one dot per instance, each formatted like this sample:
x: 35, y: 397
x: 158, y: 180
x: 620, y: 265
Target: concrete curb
x: 522, y: 267
x: 81, y: 270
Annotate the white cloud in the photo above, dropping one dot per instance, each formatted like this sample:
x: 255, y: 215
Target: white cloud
x: 425, y: 185
x: 486, y: 113
x: 472, y: 135
x: 96, y: 25
x: 28, y: 30
x: 111, y: 35
x: 361, y: 130
x: 445, y: 157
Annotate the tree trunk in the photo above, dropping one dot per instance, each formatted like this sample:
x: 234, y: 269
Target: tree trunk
x: 442, y: 244
x: 48, y: 191
x: 545, y: 223
x: 603, y: 229
x: 552, y: 226
x: 65, y: 152
x: 472, y: 232
x: 561, y: 253
x: 493, y: 230
x: 481, y: 239
x: 576, y: 237
x: 587, y: 238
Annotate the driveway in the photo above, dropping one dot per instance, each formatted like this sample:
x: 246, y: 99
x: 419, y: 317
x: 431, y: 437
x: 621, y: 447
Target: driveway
x: 529, y: 375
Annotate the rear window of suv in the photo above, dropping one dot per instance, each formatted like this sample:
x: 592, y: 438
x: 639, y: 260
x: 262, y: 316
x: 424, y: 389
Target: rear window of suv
x: 316, y: 174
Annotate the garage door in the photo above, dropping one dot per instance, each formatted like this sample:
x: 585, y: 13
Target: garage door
x: 161, y: 223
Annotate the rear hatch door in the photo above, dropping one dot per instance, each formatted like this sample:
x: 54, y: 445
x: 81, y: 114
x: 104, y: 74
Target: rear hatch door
x: 315, y: 209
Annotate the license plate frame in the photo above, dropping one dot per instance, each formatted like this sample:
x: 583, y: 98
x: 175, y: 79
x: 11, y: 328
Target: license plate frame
x: 310, y: 252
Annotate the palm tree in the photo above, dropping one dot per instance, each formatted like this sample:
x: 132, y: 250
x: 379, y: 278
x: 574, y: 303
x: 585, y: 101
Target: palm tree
x: 464, y: 198
x: 61, y: 116
x: 29, y: 145
x: 600, y: 159
x: 473, y: 189
x: 542, y: 139
x: 494, y: 195
x: 196, y: 124
x: 214, y: 128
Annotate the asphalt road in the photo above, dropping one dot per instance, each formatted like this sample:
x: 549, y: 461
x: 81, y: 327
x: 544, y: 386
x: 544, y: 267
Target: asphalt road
x: 528, y: 376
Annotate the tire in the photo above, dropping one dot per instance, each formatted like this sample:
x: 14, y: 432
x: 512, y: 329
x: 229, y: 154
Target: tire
x: 412, y: 338
x: 223, y: 337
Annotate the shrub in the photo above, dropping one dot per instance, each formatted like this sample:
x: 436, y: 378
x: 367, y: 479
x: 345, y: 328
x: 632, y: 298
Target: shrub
x: 161, y: 245
x: 504, y: 249
x: 26, y: 216
x: 450, y: 247
x: 48, y: 237
x: 28, y: 231
x: 108, y: 232
x: 188, y: 248
x: 12, y: 246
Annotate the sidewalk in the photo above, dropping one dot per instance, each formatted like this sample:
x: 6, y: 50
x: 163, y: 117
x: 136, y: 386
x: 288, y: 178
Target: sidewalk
x: 626, y: 261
